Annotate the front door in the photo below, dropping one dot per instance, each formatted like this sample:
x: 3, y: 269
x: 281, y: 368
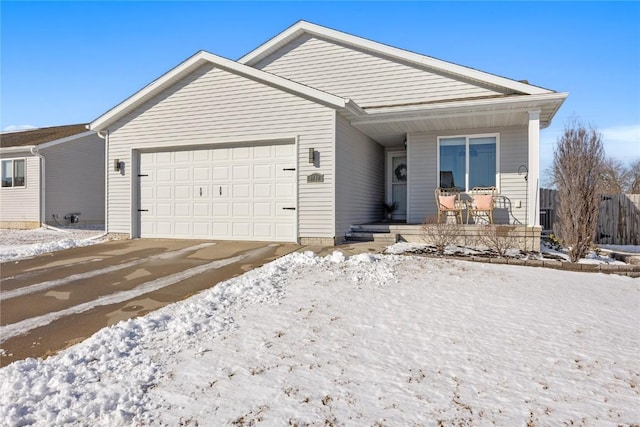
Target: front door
x: 397, y: 183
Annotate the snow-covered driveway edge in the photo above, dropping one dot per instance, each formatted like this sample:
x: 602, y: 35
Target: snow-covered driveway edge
x: 22, y: 244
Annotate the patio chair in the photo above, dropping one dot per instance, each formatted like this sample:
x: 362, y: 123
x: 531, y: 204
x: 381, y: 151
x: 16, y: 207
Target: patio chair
x: 481, y: 203
x: 448, y: 202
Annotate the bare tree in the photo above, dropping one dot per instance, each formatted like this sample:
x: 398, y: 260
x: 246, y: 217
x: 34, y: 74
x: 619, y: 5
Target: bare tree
x: 633, y: 177
x: 613, y: 177
x: 577, y: 163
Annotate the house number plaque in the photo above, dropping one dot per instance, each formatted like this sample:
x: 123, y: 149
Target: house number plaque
x: 315, y: 177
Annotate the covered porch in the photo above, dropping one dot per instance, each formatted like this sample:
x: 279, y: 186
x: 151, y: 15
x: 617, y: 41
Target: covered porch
x: 480, y: 142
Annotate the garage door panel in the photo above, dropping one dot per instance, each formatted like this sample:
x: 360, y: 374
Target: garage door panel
x: 183, y: 209
x: 263, y: 230
x: 201, y: 210
x: 284, y: 151
x: 283, y: 231
x: 220, y: 173
x: 182, y: 192
x: 261, y: 210
x: 201, y: 229
x: 201, y: 173
x: 221, y: 210
x: 224, y: 193
x: 241, y: 209
x: 241, y: 153
x: 164, y: 175
x: 285, y: 190
x: 241, y: 229
x: 221, y: 230
x: 262, y: 152
x: 240, y: 172
x: 262, y: 172
x: 262, y: 190
x: 163, y: 209
x: 241, y: 191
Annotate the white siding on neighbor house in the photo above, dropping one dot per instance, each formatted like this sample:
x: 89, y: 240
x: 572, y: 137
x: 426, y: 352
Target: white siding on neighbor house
x: 75, y: 180
x: 20, y: 204
x: 212, y: 106
x: 423, y: 172
x: 369, y: 79
x: 359, y: 177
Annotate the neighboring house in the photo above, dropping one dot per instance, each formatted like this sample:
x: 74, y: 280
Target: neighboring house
x: 52, y: 176
x: 307, y: 134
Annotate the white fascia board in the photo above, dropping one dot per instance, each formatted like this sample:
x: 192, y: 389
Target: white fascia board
x: 65, y: 139
x: 23, y: 148
x: 426, y: 61
x: 195, y: 62
x: 520, y: 102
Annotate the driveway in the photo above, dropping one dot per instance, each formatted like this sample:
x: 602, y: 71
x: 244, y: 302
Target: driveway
x: 52, y: 301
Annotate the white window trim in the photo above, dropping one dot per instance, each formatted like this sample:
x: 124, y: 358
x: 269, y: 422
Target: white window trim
x: 466, y: 172
x: 13, y: 159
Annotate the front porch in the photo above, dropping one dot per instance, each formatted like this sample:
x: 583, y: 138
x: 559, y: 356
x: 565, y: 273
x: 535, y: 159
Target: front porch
x: 525, y: 238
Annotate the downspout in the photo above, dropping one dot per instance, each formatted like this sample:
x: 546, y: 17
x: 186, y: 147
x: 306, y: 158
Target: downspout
x: 43, y: 185
x: 106, y: 186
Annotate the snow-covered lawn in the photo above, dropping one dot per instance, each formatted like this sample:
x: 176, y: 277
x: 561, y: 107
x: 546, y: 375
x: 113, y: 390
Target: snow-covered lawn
x: 18, y: 244
x: 372, y: 340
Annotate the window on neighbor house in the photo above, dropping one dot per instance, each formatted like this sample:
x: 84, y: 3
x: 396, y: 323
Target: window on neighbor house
x: 468, y: 161
x: 13, y: 173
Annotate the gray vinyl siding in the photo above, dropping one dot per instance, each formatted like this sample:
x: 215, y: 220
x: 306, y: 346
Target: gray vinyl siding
x: 359, y: 177
x: 211, y: 106
x: 423, y: 172
x: 369, y: 79
x: 75, y: 180
x: 18, y: 204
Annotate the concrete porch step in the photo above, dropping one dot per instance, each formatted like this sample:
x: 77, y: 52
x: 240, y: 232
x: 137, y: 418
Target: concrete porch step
x: 364, y: 236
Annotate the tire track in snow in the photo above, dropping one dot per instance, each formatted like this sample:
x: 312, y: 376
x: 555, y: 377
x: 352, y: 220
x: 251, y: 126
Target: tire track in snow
x: 39, y: 287
x: 26, y: 325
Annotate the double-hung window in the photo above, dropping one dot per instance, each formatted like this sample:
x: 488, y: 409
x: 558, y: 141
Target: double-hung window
x: 465, y: 162
x: 13, y: 173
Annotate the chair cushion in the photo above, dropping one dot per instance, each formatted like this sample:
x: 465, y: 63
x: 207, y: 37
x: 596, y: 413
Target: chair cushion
x: 484, y: 201
x: 448, y: 202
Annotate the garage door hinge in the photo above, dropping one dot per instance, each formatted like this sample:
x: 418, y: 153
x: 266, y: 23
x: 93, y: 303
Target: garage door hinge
x: 289, y: 169
x: 289, y: 209
x: 142, y: 174
x: 143, y: 210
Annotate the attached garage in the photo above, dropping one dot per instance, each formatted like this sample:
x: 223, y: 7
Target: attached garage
x: 231, y: 192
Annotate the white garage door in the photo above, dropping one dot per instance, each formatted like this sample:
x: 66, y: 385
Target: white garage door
x: 239, y: 193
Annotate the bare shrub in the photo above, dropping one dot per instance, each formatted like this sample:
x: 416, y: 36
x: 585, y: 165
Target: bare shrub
x: 440, y: 234
x: 499, y: 238
x: 577, y: 165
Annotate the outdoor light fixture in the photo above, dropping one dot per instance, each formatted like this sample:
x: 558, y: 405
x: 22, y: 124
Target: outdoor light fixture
x: 312, y: 155
x: 116, y: 165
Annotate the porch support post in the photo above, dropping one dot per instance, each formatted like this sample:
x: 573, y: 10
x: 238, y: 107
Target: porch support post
x: 533, y: 182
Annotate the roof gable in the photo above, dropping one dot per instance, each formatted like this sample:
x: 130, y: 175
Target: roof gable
x: 392, y: 53
x: 195, y: 62
x: 39, y: 136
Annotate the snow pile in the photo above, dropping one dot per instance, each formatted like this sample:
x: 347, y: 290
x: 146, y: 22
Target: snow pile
x: 365, y: 340
x: 19, y: 244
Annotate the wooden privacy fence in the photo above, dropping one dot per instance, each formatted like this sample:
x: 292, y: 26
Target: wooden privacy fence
x: 618, y: 218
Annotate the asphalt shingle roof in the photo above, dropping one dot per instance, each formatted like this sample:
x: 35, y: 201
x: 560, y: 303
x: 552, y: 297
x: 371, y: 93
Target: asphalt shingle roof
x: 39, y: 136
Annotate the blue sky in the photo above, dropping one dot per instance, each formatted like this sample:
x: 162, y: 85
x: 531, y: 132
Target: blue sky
x: 64, y: 63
